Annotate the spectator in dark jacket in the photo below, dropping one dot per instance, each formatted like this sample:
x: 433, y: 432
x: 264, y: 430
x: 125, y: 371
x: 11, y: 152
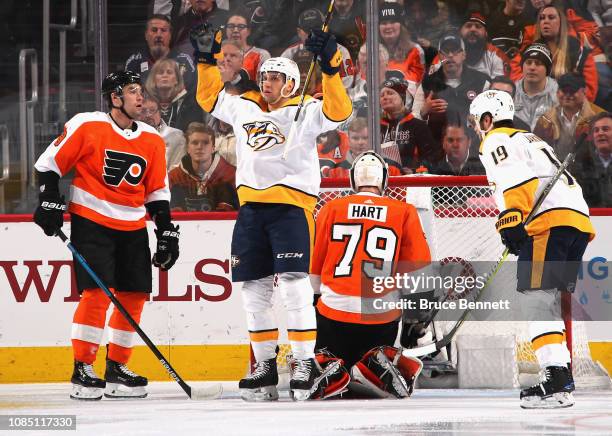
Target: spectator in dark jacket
x: 458, y: 160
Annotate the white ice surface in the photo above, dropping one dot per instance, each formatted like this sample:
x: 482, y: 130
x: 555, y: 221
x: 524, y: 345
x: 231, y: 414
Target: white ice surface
x: 167, y: 411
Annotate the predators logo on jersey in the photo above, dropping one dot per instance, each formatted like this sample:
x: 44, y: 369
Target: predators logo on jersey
x: 262, y: 135
x: 119, y: 166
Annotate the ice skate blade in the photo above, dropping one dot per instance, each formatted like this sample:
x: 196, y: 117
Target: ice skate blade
x: 116, y: 390
x: 300, y: 394
x: 266, y: 393
x: 83, y: 393
x: 554, y: 401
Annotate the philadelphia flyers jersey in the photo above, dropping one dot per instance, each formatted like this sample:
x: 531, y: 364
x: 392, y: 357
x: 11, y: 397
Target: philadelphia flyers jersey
x: 359, y: 237
x: 116, y: 171
x: 519, y: 165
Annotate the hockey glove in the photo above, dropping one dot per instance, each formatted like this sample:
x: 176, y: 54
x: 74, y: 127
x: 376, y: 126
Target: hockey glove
x: 206, y: 41
x: 49, y: 214
x: 167, y: 247
x: 323, y: 44
x: 511, y: 229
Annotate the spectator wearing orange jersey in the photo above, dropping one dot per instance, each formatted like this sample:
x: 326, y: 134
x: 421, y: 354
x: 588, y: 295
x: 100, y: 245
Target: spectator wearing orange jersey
x: 203, y: 181
x: 568, y: 53
x: 404, y: 54
x: 238, y: 29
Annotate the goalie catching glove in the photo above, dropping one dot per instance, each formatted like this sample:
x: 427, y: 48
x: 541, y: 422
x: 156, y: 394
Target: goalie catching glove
x: 323, y: 44
x: 512, y: 230
x: 206, y: 41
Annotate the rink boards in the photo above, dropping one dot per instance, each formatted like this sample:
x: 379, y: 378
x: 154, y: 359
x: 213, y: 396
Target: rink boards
x: 194, y: 315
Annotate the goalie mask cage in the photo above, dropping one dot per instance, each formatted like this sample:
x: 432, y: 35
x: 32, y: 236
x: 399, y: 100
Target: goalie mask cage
x: 458, y: 214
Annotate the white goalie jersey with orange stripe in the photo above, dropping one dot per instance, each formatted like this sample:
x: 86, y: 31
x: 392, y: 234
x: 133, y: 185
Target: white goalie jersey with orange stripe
x: 519, y: 165
x: 116, y: 171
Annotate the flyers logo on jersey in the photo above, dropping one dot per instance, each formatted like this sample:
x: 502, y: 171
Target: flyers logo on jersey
x: 119, y: 166
x: 262, y: 135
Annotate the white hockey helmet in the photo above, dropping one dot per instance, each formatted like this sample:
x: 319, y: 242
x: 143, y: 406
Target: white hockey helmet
x: 369, y: 169
x: 282, y: 65
x: 496, y: 103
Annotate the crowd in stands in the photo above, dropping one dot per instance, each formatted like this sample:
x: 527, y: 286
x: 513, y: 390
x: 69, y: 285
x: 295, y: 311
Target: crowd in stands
x: 553, y: 56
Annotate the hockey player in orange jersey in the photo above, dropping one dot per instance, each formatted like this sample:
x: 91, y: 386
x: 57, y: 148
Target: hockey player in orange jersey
x: 360, y: 237
x: 119, y: 175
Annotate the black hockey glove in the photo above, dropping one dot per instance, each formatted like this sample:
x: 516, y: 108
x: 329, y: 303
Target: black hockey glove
x: 167, y: 247
x: 323, y: 44
x: 206, y: 41
x: 511, y: 229
x: 49, y: 214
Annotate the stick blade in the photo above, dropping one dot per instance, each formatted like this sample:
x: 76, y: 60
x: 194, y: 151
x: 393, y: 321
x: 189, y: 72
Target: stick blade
x: 209, y: 392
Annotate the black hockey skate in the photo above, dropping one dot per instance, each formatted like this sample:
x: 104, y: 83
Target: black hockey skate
x: 86, y: 385
x: 555, y: 391
x: 123, y: 383
x: 305, y: 378
x: 260, y: 385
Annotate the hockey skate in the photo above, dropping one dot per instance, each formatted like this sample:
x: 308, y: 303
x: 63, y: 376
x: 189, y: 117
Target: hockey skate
x: 86, y: 385
x: 123, y: 383
x: 555, y: 391
x: 307, y: 377
x: 260, y: 385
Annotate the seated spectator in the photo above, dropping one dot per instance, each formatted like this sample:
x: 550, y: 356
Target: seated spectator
x: 313, y: 19
x: 157, y: 37
x: 203, y: 181
x: 536, y: 92
x: 458, y: 160
x: 480, y: 54
x: 348, y: 24
x: 225, y: 141
x: 427, y: 20
x: 303, y: 59
x: 562, y: 125
x: 357, y: 91
x: 592, y: 167
x: 505, y: 26
x: 238, y: 30
x: 604, y: 70
x: 336, y: 158
x: 448, y: 92
x: 405, y: 55
x: 165, y: 84
x: 202, y: 11
x: 231, y: 68
x: 399, y: 127
x: 174, y: 138
x: 568, y: 53
x: 503, y: 83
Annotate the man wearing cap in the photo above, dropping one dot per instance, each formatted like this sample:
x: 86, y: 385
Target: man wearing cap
x: 449, y: 91
x: 313, y: 19
x: 398, y: 125
x: 505, y: 26
x: 536, y: 92
x: 563, y: 123
x: 480, y: 53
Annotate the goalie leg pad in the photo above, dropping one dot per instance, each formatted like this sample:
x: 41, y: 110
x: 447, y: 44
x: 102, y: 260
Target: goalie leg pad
x: 335, y: 381
x: 387, y: 373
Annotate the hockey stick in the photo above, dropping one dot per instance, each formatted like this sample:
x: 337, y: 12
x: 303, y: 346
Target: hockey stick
x: 445, y: 340
x: 204, y: 393
x: 290, y: 138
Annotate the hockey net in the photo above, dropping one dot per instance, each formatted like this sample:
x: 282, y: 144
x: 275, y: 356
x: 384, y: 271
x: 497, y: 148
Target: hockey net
x: 458, y: 215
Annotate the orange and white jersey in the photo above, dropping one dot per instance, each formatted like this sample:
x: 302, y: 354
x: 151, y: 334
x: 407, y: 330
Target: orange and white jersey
x: 116, y: 171
x: 253, y: 58
x: 360, y: 237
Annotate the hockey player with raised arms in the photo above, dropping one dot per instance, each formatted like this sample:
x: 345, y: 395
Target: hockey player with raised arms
x: 119, y: 175
x: 549, y: 248
x: 360, y: 237
x: 272, y: 239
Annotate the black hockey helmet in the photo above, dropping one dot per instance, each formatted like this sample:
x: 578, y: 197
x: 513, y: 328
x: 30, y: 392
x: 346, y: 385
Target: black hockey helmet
x: 115, y: 82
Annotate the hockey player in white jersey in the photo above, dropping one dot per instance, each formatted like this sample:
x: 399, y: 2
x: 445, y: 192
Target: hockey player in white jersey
x: 274, y: 231
x: 549, y: 248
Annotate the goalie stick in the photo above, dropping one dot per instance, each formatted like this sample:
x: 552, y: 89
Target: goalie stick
x: 424, y: 350
x: 291, y: 136
x: 204, y: 393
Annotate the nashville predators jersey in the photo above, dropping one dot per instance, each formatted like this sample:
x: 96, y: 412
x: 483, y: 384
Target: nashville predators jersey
x: 261, y: 137
x: 116, y: 171
x: 519, y: 165
x: 360, y: 237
